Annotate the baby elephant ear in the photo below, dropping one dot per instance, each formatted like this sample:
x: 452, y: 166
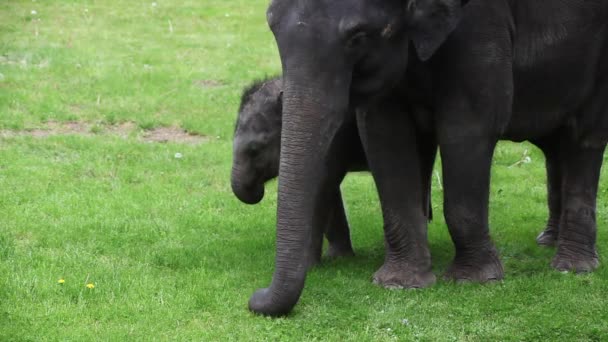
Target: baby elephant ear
x: 431, y: 22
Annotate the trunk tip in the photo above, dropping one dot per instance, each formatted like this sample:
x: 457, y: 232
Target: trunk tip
x: 262, y: 303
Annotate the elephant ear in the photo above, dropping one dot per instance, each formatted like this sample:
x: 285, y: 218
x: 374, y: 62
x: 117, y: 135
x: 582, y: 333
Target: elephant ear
x: 431, y: 22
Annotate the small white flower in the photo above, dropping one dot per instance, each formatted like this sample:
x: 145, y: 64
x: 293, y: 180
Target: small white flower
x: 34, y: 12
x: 86, y: 10
x: 389, y: 329
x: 405, y: 321
x: 227, y: 15
x: 178, y: 155
x: 154, y: 4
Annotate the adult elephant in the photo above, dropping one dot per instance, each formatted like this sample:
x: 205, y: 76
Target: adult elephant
x: 512, y: 69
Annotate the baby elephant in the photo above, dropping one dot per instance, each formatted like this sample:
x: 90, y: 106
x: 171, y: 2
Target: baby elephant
x: 256, y: 153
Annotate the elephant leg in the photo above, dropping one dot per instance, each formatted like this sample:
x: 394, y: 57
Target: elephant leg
x: 335, y: 228
x: 428, y: 152
x: 577, y: 234
x: 389, y: 139
x: 317, y: 244
x: 337, y: 231
x: 550, y: 147
x: 466, y: 174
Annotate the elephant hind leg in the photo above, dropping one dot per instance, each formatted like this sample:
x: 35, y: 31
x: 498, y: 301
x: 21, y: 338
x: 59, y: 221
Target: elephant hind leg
x: 581, y: 164
x: 337, y: 231
x: 551, y: 148
x: 428, y: 152
x: 335, y: 228
x: 577, y: 234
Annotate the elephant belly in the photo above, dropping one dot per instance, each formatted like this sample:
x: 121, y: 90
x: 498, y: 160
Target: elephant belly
x: 540, y: 106
x: 555, y: 72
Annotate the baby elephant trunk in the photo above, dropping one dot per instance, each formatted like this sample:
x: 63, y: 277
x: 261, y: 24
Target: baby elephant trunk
x: 244, y: 185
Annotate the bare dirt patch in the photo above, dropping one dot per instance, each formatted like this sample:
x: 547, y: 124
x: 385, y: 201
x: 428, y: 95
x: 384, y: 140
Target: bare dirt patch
x: 172, y: 134
x: 123, y: 130
x: 53, y: 128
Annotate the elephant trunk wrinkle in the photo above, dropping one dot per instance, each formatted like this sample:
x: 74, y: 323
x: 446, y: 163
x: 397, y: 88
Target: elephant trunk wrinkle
x: 302, y: 180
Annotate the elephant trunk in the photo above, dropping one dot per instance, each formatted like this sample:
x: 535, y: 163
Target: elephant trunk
x: 310, y: 123
x: 244, y: 185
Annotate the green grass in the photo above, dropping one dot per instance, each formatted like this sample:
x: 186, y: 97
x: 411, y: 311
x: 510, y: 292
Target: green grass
x: 172, y: 254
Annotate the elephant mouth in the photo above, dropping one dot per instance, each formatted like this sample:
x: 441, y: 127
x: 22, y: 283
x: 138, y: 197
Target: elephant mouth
x: 251, y: 194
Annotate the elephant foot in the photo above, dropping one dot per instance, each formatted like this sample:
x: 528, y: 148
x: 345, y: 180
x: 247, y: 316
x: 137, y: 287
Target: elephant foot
x: 399, y: 276
x: 547, y: 238
x: 577, y: 260
x: 337, y: 251
x: 480, y: 266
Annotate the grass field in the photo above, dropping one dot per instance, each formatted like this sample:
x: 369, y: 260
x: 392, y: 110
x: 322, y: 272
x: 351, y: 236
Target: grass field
x: 154, y: 228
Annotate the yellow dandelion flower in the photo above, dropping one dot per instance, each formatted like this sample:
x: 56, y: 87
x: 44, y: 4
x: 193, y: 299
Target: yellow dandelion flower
x: 90, y: 286
x: 61, y: 281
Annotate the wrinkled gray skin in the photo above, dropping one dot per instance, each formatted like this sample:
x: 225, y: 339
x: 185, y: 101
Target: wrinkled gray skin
x: 256, y: 158
x: 495, y: 69
x: 257, y: 140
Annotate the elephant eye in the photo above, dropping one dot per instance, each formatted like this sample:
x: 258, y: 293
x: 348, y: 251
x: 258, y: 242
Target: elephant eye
x: 357, y: 40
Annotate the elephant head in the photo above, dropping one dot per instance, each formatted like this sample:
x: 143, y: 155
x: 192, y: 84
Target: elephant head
x: 257, y: 140
x: 334, y: 54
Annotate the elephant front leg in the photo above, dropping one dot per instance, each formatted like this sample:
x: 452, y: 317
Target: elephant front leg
x: 550, y: 147
x: 466, y: 171
x: 390, y: 144
x: 576, y: 240
x: 337, y: 231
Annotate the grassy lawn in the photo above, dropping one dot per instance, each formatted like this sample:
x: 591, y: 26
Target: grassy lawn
x: 171, y: 254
